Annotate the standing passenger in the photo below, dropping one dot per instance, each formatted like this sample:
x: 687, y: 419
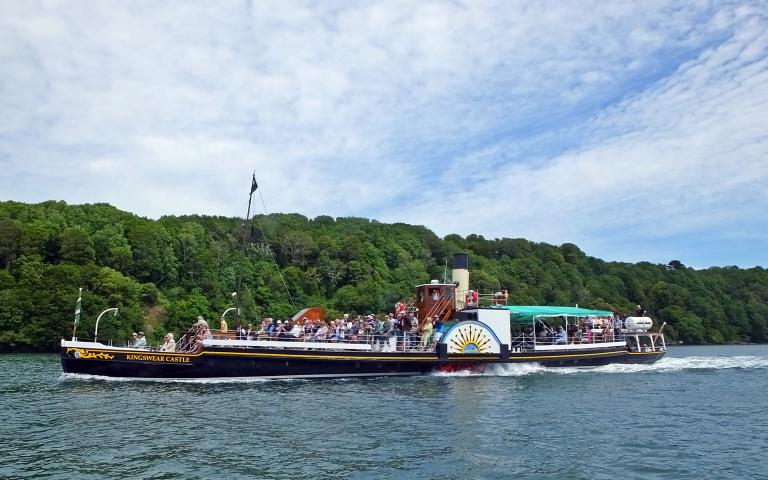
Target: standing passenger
x: 426, y: 333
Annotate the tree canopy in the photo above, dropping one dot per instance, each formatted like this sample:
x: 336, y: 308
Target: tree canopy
x: 163, y: 273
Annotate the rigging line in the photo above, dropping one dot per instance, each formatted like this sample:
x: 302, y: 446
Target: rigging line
x: 272, y: 255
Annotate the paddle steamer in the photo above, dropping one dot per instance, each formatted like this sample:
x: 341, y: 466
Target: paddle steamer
x: 478, y: 331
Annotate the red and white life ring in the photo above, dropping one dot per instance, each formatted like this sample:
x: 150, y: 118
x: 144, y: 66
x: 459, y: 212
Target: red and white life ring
x: 471, y: 297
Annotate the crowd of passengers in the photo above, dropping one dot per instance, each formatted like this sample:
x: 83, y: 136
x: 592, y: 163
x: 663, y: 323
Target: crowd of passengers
x: 405, y: 327
x: 588, y: 330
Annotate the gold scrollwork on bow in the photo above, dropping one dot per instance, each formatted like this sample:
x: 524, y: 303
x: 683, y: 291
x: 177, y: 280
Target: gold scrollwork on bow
x: 83, y: 353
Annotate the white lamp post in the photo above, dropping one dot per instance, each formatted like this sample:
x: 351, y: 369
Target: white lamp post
x: 96, y: 330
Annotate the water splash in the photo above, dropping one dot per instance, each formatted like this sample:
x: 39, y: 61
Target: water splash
x: 665, y: 365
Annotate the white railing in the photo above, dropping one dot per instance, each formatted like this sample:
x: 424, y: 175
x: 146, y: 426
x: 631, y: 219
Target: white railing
x: 393, y: 341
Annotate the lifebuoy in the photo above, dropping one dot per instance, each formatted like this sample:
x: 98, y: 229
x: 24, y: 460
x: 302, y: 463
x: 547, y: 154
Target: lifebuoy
x: 471, y: 297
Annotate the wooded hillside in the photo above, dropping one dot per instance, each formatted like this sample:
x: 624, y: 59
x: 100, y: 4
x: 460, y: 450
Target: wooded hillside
x: 163, y: 273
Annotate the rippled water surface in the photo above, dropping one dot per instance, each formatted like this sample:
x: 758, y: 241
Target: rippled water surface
x: 699, y: 413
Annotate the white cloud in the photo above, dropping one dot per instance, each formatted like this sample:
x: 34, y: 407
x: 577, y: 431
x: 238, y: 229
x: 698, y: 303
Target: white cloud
x: 558, y: 119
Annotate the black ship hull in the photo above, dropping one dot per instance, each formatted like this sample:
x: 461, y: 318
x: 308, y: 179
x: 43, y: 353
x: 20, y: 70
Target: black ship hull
x: 271, y: 363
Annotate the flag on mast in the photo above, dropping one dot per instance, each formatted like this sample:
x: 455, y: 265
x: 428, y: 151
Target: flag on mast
x: 78, y: 306
x: 254, y: 185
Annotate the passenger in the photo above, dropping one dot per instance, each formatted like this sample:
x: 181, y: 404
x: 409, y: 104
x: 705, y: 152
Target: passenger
x: 202, y: 334
x: 296, y: 331
x: 279, y: 329
x: 389, y: 324
x: 362, y: 330
x: 283, y: 329
x: 338, y: 330
x: 438, y: 329
x: 170, y: 343
x: 435, y: 296
x: 543, y: 332
x: 223, y: 325
x: 321, y: 334
x: 640, y: 311
x: 249, y: 333
x: 608, y: 332
x: 618, y: 325
x: 578, y: 336
x: 426, y: 333
x: 264, y: 331
x: 587, y: 337
x: 353, y: 329
x: 202, y: 329
x: 140, y: 342
x: 403, y: 334
x: 414, y: 340
x: 561, y: 337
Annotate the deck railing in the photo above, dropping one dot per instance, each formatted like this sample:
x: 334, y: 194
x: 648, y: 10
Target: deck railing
x: 378, y: 341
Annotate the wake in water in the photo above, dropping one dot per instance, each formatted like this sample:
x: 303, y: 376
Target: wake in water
x: 665, y: 365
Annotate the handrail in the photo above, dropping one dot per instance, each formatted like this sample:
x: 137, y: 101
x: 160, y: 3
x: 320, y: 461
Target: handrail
x: 393, y: 340
x: 440, y: 306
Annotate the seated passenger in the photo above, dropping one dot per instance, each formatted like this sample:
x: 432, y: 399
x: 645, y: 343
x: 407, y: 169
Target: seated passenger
x: 170, y: 343
x: 140, y: 341
x: 337, y: 331
x: 320, y: 335
x: 250, y: 333
x: 284, y: 330
x: 578, y: 336
x: 560, y: 337
x: 542, y: 333
x: 295, y: 332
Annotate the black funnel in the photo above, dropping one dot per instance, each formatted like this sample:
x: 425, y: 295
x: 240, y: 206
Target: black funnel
x: 461, y: 260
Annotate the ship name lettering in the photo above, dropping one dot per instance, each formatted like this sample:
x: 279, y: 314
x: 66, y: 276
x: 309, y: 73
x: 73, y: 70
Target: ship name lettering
x: 143, y: 357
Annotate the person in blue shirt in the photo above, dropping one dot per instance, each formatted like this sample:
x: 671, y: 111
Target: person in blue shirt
x: 140, y: 341
x: 561, y: 338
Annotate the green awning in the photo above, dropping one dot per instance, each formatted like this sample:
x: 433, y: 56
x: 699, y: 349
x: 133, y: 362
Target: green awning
x: 526, y: 313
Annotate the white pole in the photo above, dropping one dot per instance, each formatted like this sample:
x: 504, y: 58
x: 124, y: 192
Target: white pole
x: 96, y: 330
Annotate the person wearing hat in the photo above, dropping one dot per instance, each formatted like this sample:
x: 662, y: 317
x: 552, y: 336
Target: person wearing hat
x: 139, y: 341
x: 170, y: 343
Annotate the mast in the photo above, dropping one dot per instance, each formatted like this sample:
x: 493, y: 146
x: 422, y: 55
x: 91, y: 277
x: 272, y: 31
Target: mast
x: 254, y: 186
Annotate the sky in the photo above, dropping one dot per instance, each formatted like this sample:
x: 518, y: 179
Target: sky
x: 636, y: 130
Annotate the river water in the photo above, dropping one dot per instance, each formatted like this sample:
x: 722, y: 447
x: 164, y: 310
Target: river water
x: 701, y: 412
